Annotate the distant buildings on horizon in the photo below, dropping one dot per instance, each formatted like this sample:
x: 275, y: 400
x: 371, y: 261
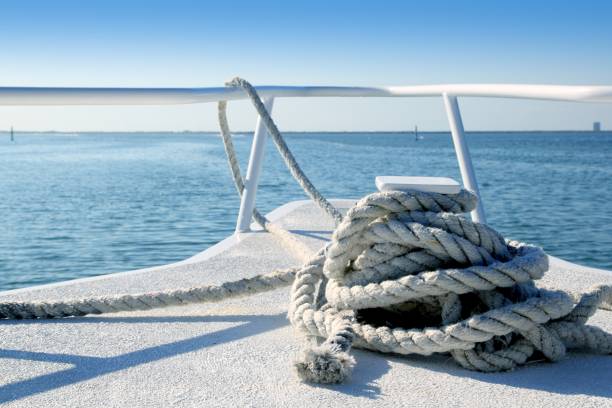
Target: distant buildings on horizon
x: 596, y: 126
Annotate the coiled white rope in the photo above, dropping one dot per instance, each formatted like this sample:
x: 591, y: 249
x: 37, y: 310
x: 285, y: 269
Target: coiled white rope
x: 404, y: 273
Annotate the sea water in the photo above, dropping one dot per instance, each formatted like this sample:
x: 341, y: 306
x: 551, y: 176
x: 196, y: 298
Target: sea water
x: 76, y: 205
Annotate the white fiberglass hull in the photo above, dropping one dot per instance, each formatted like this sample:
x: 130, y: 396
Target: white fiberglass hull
x: 239, y: 352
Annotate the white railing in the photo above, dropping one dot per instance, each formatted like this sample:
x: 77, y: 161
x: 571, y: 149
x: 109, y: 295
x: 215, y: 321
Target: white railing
x: 168, y: 96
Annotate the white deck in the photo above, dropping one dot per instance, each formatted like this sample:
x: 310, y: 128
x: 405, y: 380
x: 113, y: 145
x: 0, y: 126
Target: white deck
x: 239, y: 352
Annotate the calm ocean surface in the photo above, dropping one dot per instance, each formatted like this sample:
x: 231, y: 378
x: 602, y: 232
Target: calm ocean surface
x: 76, y: 205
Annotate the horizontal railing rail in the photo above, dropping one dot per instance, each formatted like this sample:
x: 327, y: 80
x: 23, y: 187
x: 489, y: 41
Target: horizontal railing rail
x: 21, y: 96
x: 169, y: 96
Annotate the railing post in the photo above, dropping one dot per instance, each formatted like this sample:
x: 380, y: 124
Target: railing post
x: 463, y: 154
x: 247, y: 204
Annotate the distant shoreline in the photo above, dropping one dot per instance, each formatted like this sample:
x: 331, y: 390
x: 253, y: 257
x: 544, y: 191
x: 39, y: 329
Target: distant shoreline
x: 187, y: 132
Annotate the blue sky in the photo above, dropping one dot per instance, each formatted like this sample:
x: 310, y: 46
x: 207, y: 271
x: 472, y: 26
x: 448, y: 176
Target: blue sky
x: 197, y: 43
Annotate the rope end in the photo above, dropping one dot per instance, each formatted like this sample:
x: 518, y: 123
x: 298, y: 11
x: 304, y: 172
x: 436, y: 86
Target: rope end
x: 324, y: 366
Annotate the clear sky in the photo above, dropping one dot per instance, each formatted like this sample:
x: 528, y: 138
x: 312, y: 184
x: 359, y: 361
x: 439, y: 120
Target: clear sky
x: 200, y: 43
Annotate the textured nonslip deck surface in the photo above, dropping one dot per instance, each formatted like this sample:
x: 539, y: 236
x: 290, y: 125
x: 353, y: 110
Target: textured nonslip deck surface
x: 239, y: 352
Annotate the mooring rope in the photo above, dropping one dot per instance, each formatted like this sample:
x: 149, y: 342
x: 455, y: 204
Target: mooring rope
x: 404, y: 273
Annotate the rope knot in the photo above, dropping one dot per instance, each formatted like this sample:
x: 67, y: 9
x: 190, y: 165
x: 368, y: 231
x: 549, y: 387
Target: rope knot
x: 406, y: 273
x: 234, y: 82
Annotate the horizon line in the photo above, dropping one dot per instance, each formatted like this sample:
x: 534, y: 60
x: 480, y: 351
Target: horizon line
x: 8, y: 131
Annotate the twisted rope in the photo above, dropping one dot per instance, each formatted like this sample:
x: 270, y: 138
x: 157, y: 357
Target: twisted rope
x: 404, y: 273
x: 279, y: 141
